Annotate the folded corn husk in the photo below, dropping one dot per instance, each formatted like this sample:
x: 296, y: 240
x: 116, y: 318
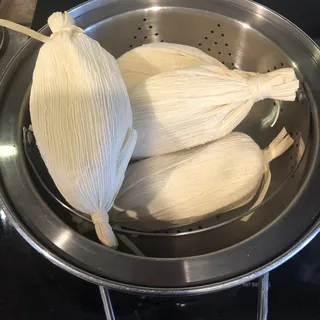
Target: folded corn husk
x: 148, y: 60
x: 184, y: 187
x: 192, y: 106
x: 81, y: 118
x: 173, y: 109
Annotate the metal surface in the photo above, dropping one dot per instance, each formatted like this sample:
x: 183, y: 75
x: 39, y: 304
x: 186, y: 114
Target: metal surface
x: 3, y: 41
x: 220, y: 41
x: 263, y: 293
x: 234, y: 43
x: 107, y: 305
x: 197, y: 262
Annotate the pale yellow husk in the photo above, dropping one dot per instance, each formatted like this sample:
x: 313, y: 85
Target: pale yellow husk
x: 184, y: 187
x: 81, y: 118
x: 188, y: 107
x: 181, y: 97
x: 148, y: 60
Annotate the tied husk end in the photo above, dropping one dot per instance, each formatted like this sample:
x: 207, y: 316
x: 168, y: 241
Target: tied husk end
x: 104, y: 230
x: 62, y: 21
x: 276, y: 148
x: 280, y: 84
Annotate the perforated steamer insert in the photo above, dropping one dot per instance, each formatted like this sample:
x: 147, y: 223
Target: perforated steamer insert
x: 221, y: 38
x: 198, y: 257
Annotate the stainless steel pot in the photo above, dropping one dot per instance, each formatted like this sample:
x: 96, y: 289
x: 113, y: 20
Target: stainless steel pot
x: 222, y: 251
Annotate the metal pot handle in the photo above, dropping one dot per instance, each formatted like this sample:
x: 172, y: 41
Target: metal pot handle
x: 263, y: 297
x: 107, y: 304
x: 262, y: 313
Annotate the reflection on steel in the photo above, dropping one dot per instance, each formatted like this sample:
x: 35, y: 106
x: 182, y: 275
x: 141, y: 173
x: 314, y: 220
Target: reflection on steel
x: 7, y: 151
x: 63, y: 238
x: 2, y: 215
x: 245, y: 25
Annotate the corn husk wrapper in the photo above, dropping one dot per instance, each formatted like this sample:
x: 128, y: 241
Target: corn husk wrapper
x: 150, y: 59
x: 81, y: 118
x: 184, y: 187
x: 176, y: 107
x: 189, y: 107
